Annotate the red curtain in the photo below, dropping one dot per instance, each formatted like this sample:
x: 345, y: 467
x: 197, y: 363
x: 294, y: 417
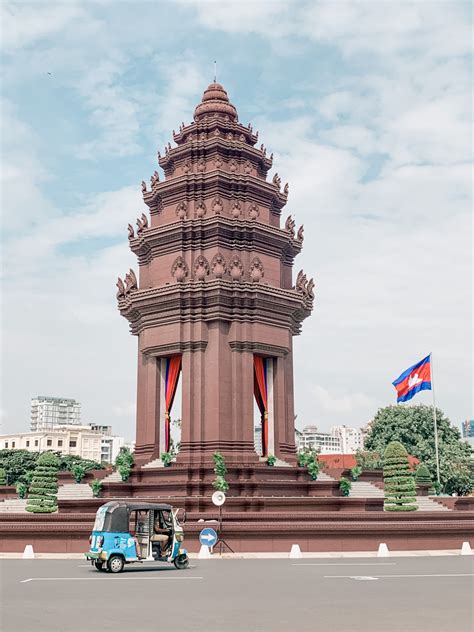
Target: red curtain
x: 173, y: 367
x: 260, y: 391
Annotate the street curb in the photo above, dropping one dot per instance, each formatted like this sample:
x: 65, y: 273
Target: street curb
x: 257, y: 556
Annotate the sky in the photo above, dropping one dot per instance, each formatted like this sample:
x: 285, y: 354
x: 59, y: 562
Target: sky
x: 367, y: 109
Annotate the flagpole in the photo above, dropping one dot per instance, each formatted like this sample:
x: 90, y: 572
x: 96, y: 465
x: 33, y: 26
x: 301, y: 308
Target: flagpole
x: 434, y: 419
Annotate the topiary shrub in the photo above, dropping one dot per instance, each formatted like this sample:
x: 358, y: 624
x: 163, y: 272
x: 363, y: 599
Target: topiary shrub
x: 3, y: 477
x: 78, y: 471
x: 399, y: 482
x: 422, y: 475
x: 42, y: 497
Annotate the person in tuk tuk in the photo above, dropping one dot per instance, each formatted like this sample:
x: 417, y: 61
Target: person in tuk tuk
x: 162, y: 531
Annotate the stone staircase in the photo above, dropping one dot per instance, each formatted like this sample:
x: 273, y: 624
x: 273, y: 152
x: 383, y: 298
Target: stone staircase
x: 13, y: 505
x: 74, y: 491
x: 114, y: 477
x: 364, y: 489
x: 425, y: 503
x: 322, y: 476
x: 152, y: 464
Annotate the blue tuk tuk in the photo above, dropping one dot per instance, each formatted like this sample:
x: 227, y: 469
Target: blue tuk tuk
x: 127, y: 532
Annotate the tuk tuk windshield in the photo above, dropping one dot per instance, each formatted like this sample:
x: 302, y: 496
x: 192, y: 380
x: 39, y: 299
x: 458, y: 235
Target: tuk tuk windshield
x: 100, y: 518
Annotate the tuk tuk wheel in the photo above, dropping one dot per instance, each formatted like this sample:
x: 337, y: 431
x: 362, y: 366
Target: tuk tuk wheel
x: 99, y: 565
x: 181, y: 562
x: 115, y: 564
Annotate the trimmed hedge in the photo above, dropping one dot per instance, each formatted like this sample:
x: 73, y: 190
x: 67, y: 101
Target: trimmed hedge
x: 42, y: 496
x: 422, y: 475
x: 399, y: 482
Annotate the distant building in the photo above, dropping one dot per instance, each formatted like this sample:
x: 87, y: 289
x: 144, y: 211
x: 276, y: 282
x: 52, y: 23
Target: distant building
x: 352, y: 439
x: 323, y: 442
x: 339, y: 440
x: 467, y: 431
x: 110, y: 445
x: 92, y: 442
x: 49, y: 412
x: 467, y: 428
x: 71, y: 440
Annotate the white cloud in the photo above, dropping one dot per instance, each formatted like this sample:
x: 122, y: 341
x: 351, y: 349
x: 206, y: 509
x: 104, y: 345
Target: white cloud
x: 341, y: 403
x: 25, y: 23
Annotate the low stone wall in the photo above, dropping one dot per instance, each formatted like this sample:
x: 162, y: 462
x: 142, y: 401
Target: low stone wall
x: 69, y: 533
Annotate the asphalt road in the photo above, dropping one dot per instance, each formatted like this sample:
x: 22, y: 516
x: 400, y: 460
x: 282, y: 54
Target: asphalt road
x: 432, y: 594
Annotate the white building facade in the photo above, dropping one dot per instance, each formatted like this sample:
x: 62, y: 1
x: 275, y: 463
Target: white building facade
x: 352, y: 439
x: 78, y: 440
x: 87, y: 442
x: 339, y: 440
x: 49, y: 412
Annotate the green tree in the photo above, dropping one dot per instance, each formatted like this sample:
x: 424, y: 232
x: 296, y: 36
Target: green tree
x: 3, y: 476
x: 399, y: 482
x: 413, y: 427
x: 42, y: 497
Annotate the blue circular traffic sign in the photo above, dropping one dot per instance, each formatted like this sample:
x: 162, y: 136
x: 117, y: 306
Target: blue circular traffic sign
x: 208, y: 537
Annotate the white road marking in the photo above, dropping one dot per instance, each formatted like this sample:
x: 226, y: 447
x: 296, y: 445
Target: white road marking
x: 402, y: 576
x: 365, y: 578
x: 350, y: 564
x: 78, y: 579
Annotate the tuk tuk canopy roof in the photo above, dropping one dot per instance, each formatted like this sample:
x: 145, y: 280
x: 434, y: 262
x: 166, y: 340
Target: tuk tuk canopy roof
x: 117, y: 514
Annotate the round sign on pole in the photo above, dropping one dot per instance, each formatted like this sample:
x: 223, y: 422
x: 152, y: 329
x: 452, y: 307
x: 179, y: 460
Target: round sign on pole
x: 218, y: 498
x: 208, y: 537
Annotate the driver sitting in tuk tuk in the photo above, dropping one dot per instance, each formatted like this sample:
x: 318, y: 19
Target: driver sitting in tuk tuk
x: 162, y: 531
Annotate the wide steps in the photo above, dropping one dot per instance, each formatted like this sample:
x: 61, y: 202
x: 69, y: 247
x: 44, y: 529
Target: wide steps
x: 13, y: 505
x: 427, y: 504
x: 74, y: 491
x: 363, y: 489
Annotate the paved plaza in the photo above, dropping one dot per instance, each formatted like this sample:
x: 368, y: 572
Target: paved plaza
x: 341, y: 595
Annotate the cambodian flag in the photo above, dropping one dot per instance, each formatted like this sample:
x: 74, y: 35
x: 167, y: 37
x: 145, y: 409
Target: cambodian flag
x: 415, y: 379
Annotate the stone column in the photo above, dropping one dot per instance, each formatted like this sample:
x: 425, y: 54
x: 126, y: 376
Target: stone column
x: 148, y: 392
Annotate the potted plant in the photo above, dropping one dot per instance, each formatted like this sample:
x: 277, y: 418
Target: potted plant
x: 96, y: 486
x: 356, y: 472
x: 21, y: 489
x: 271, y: 460
x: 345, y: 486
x: 78, y: 471
x: 166, y: 458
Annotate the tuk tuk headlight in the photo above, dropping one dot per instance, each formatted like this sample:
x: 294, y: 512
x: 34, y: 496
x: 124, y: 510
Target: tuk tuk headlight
x: 179, y: 537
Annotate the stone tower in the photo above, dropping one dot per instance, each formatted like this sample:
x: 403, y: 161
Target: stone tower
x: 214, y: 300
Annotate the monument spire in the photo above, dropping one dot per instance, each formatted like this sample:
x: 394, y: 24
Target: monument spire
x: 215, y: 302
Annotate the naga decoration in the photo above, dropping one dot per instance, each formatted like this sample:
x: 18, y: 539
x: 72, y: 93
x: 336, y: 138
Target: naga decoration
x: 120, y: 289
x: 290, y: 225
x: 300, y: 234
x: 131, y: 232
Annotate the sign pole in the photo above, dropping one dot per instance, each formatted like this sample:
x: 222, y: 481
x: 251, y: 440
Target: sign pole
x: 434, y: 419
